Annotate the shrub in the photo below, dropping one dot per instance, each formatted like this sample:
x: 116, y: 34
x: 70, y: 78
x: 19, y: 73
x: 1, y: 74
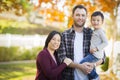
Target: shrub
x: 14, y: 27
x: 18, y: 53
x: 8, y: 54
x: 105, y: 66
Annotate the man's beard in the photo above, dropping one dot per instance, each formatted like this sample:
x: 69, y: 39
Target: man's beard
x: 77, y: 25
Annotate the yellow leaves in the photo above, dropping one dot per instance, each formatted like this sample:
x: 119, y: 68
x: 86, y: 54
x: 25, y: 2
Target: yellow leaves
x: 19, y: 7
x: 54, y: 14
x: 106, y: 5
x: 70, y: 22
x: 40, y: 1
x: 91, y: 9
x: 108, y: 76
x: 57, y: 15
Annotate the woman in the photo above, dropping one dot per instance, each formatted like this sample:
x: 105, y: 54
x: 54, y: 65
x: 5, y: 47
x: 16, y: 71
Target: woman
x: 48, y: 67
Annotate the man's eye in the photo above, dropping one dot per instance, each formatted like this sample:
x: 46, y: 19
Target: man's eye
x: 77, y: 15
x: 83, y: 15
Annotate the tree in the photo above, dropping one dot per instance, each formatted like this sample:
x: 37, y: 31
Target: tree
x: 71, y: 4
x: 19, y: 7
x: 113, y: 11
x: 111, y: 7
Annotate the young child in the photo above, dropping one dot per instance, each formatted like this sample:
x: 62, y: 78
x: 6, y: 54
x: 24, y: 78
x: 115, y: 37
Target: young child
x: 98, y: 42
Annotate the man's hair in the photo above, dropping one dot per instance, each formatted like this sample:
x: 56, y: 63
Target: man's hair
x: 80, y: 7
x: 98, y: 13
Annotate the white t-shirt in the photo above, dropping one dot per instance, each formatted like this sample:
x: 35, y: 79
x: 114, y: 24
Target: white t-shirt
x: 78, y: 56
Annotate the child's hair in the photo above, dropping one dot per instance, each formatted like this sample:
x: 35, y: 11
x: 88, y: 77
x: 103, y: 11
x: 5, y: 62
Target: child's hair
x: 98, y: 13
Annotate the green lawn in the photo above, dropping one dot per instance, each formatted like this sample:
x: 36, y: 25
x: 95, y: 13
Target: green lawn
x: 18, y: 71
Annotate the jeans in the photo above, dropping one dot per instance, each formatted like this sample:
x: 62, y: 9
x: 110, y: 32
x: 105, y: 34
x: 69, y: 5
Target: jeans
x: 91, y: 58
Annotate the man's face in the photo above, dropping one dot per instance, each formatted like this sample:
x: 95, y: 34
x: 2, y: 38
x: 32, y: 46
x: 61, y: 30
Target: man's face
x: 79, y: 17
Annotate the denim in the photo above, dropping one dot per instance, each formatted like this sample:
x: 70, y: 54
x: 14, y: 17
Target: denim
x: 91, y: 58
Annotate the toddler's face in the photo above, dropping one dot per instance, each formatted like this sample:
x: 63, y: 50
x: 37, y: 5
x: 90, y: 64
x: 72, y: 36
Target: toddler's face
x: 96, y: 21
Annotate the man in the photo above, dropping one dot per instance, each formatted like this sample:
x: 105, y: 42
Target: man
x: 75, y: 45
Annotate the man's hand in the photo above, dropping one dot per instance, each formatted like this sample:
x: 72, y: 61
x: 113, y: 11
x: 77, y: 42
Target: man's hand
x: 86, y: 67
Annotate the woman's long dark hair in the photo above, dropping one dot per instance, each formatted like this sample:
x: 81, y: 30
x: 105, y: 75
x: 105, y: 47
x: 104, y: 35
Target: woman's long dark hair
x: 50, y: 36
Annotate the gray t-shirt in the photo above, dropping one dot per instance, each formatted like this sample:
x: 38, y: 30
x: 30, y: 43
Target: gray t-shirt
x: 99, y: 41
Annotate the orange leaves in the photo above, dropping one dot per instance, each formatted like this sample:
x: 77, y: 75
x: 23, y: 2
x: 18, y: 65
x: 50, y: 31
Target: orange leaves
x: 106, y: 5
x: 19, y: 7
x: 54, y: 14
x: 40, y: 1
x: 70, y: 22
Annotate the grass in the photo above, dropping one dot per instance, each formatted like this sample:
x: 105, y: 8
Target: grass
x: 27, y: 70
x: 18, y: 71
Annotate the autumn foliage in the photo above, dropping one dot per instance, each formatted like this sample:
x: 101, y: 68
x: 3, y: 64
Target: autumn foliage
x: 56, y: 15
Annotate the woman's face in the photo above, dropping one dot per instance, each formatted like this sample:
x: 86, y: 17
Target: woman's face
x: 55, y: 42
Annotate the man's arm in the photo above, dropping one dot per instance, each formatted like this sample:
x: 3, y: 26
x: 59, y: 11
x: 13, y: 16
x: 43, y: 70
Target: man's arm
x: 62, y: 50
x: 99, y: 62
x: 85, y: 67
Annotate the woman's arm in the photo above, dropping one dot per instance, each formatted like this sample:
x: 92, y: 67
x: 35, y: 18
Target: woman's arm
x: 45, y: 65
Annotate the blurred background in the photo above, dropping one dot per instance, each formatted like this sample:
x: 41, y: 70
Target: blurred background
x: 25, y: 24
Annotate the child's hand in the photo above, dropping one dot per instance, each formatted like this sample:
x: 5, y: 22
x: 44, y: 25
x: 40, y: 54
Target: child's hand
x: 93, y: 50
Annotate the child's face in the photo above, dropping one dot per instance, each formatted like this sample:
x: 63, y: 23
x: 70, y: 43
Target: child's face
x: 96, y: 21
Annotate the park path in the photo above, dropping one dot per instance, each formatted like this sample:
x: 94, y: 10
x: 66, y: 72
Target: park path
x: 16, y: 62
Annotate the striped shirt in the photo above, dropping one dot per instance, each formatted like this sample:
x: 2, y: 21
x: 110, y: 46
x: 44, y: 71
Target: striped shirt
x: 67, y: 48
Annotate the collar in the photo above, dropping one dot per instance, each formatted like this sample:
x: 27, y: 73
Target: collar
x: 73, y: 30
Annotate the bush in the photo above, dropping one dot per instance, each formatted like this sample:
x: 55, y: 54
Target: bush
x: 29, y: 54
x: 105, y: 66
x: 14, y: 27
x: 8, y: 54
x: 18, y: 53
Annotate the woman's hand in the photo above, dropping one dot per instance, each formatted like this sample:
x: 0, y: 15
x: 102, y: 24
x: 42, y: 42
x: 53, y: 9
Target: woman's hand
x: 67, y: 61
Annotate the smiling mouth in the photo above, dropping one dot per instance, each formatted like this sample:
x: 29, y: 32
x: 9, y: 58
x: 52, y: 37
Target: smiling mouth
x: 80, y: 22
x: 95, y: 24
